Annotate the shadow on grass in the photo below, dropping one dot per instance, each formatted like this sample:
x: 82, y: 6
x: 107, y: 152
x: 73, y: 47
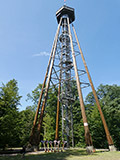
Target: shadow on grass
x: 51, y: 156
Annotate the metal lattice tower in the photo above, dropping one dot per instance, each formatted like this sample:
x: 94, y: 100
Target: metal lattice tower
x: 62, y: 70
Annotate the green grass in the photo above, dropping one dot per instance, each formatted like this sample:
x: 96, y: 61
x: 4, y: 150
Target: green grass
x: 73, y: 154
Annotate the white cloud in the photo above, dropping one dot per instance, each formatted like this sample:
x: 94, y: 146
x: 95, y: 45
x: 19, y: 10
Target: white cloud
x: 41, y: 54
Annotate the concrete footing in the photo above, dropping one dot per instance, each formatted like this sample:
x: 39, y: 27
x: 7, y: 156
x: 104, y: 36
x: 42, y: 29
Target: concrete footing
x: 35, y: 148
x: 112, y: 148
x: 32, y: 148
x: 89, y: 149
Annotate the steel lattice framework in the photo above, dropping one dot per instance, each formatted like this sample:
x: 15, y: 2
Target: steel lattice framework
x: 62, y: 70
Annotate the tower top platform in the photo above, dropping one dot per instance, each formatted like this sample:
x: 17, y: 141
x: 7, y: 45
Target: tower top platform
x: 65, y: 10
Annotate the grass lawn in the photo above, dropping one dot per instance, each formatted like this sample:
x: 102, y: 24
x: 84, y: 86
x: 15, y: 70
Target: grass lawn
x: 72, y: 154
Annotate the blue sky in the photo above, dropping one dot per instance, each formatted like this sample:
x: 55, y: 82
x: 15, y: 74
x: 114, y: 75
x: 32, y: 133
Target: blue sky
x: 27, y: 28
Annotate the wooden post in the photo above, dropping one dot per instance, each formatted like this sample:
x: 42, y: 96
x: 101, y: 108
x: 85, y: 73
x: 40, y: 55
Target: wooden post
x: 88, y: 138
x: 109, y: 138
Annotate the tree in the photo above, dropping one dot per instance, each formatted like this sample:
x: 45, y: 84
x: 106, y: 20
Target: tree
x: 26, y: 121
x: 34, y: 96
x: 109, y: 97
x: 9, y: 102
x: 49, y: 119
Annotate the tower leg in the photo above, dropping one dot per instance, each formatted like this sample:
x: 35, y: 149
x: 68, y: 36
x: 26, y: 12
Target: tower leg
x: 88, y: 138
x: 58, y: 110
x: 39, y: 102
x: 67, y: 126
x: 58, y: 102
x: 62, y: 123
x: 37, y: 134
x: 72, y: 126
x: 109, y: 138
x: 47, y: 85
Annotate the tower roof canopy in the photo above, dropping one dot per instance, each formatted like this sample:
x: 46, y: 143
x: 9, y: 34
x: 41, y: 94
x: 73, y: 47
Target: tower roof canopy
x: 65, y: 10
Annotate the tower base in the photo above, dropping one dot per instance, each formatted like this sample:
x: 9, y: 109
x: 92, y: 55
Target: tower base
x: 32, y: 148
x: 112, y: 148
x: 89, y: 149
x: 35, y: 148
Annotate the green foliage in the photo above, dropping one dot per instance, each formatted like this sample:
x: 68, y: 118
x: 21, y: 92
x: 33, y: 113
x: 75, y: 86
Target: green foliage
x: 78, y: 127
x: 15, y: 126
x: 96, y: 128
x: 109, y: 100
x: 49, y: 119
x: 9, y: 101
x: 49, y: 131
x: 78, y: 124
x: 34, y: 96
x: 109, y: 97
x: 26, y: 121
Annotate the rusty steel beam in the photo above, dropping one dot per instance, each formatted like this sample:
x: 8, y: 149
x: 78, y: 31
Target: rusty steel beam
x: 109, y: 138
x: 47, y: 86
x: 88, y: 138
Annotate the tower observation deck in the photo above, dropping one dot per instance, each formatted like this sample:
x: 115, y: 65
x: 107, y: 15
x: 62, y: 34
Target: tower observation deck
x: 66, y: 11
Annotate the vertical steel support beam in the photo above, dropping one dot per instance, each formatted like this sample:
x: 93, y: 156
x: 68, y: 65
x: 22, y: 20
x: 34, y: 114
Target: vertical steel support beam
x: 71, y: 112
x: 88, y: 138
x: 58, y: 102
x: 41, y: 94
x: 62, y: 122
x: 47, y: 86
x: 109, y: 138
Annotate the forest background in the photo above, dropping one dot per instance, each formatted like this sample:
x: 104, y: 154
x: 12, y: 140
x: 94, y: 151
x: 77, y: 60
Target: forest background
x: 15, y: 125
